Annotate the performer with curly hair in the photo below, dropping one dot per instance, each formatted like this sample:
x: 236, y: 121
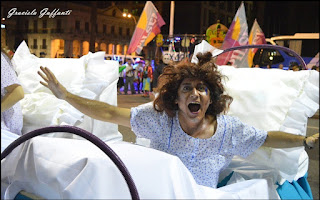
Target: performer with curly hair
x: 187, y: 119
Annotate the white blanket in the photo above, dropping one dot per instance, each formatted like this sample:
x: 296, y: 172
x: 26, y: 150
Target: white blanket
x: 60, y: 168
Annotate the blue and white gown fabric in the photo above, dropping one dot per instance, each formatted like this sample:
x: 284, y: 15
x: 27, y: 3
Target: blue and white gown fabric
x: 205, y: 158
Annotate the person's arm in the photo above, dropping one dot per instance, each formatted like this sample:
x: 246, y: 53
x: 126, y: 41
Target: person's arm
x: 95, y: 109
x: 279, y: 139
x: 14, y: 94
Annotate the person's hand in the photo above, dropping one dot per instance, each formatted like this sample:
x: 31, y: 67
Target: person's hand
x: 312, y: 140
x: 52, y: 83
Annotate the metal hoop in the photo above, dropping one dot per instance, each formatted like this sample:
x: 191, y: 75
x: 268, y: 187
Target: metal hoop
x: 85, y: 134
x: 267, y: 46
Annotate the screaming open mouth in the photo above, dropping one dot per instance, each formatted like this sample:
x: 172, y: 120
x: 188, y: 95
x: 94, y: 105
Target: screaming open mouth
x: 194, y: 107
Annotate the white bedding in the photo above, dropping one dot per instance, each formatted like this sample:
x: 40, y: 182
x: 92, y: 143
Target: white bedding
x: 60, y: 168
x: 268, y: 99
x: 89, y: 76
x: 274, y: 100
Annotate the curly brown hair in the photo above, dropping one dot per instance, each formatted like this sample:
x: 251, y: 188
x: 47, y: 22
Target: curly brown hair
x: 173, y: 75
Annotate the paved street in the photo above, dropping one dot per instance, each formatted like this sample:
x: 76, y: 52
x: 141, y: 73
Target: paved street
x: 313, y: 127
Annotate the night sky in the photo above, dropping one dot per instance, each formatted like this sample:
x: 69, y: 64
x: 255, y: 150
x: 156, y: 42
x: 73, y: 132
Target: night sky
x: 279, y: 18
x: 276, y: 18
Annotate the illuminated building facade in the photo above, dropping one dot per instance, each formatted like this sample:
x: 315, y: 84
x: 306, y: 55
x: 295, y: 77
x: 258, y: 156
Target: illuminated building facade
x: 63, y: 29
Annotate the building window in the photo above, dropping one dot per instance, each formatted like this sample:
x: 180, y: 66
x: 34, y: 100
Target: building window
x: 86, y: 27
x: 61, y: 46
x: 221, y: 18
x: 212, y: 19
x: 44, y: 26
x: 212, y: 3
x: 128, y: 31
x: 238, y: 3
x: 26, y: 26
x: 112, y: 29
x: 221, y: 5
x: 59, y: 29
x: 104, y: 28
x: 77, y: 25
x: 35, y: 46
x: 44, y: 44
x: 35, y: 26
x: 114, y: 12
x: 135, y: 11
x: 120, y: 31
x: 229, y: 6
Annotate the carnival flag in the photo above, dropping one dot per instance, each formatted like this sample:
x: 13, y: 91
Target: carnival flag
x: 147, y: 28
x: 256, y: 37
x: 237, y: 35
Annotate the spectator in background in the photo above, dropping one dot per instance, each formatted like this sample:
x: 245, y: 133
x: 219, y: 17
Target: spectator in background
x: 138, y: 73
x: 158, y: 69
x: 43, y: 55
x: 281, y: 66
x: 129, y: 78
x: 147, y: 76
x: 159, y: 65
x: 315, y: 68
x: 120, y: 83
x: 256, y: 66
x: 295, y: 68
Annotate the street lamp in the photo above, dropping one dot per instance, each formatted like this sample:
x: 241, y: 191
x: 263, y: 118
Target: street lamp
x: 128, y: 15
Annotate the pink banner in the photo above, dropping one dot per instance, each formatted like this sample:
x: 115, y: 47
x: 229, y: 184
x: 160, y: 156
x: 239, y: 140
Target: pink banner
x: 147, y: 28
x: 256, y: 37
x: 237, y: 35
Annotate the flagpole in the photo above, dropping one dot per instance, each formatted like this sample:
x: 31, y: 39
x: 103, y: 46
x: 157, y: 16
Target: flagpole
x: 171, y: 19
x: 135, y: 24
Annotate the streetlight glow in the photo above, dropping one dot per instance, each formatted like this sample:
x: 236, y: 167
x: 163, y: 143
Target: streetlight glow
x: 129, y: 15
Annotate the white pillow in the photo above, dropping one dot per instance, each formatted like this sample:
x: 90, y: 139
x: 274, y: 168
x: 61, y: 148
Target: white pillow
x: 27, y: 65
x: 89, y: 77
x: 102, y: 77
x: 42, y: 109
x: 273, y: 100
